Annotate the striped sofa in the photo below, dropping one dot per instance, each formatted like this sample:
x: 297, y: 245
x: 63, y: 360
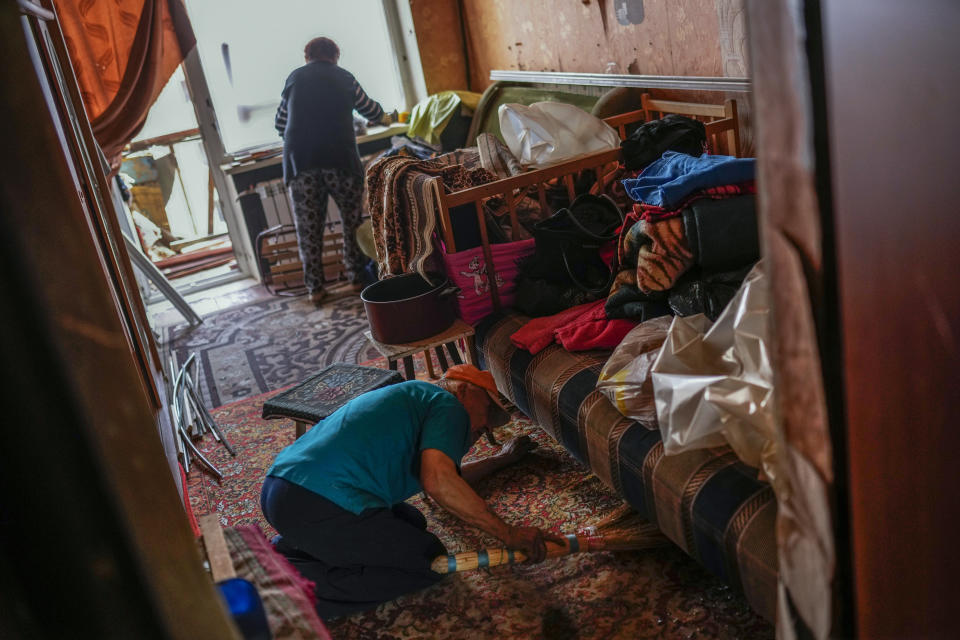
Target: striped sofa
x: 706, y: 501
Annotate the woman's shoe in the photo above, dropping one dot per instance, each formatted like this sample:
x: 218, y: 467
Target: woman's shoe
x: 317, y: 297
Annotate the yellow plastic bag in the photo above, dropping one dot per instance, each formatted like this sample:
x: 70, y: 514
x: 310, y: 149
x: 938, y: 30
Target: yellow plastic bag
x: 625, y: 378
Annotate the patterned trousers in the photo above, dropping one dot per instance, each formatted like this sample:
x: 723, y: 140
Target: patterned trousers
x: 309, y: 192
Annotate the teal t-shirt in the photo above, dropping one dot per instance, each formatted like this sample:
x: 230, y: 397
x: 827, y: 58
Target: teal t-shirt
x: 367, y: 453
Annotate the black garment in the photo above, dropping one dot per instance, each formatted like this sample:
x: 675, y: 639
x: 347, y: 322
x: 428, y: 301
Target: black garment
x: 315, y: 118
x: 629, y: 302
x: 670, y: 133
x: 722, y: 233
x: 699, y: 292
x: 357, y: 561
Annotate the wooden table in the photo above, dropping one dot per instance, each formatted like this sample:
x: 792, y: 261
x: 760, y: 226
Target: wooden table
x: 459, y: 330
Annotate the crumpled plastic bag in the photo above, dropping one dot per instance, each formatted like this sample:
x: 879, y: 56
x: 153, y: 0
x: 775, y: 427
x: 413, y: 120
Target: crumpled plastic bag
x: 713, y: 382
x: 625, y: 378
x: 545, y: 133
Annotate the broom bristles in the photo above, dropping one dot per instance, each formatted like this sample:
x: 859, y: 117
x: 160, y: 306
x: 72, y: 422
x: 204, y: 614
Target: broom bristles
x: 621, y: 530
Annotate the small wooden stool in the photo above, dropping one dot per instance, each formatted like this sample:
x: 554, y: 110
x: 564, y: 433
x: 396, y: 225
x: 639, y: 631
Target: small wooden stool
x: 323, y: 393
x: 459, y: 330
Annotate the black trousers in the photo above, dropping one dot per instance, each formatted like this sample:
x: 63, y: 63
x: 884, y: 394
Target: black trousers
x: 357, y: 561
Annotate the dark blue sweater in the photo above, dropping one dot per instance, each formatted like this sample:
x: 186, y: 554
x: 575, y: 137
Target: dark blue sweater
x: 315, y: 119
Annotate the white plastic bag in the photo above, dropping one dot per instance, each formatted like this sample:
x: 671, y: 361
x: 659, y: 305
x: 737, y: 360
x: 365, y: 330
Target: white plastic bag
x: 625, y: 379
x: 713, y: 385
x: 547, y: 132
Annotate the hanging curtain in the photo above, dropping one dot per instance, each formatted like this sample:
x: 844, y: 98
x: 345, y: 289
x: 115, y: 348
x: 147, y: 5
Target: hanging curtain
x: 123, y: 52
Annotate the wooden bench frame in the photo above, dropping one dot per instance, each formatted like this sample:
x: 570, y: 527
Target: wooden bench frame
x: 723, y: 134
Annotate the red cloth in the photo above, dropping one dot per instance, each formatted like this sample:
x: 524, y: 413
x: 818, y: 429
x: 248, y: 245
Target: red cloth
x: 594, y: 330
x: 652, y: 213
x: 579, y: 328
x: 539, y: 333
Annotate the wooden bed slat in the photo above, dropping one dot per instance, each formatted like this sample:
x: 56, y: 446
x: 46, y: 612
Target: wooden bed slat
x: 514, y: 222
x: 530, y: 179
x: 221, y: 566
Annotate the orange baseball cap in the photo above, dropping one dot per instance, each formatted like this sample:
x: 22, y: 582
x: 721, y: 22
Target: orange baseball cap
x: 498, y: 414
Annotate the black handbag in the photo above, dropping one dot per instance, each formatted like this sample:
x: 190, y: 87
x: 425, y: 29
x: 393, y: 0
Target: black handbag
x: 569, y: 241
x: 566, y: 268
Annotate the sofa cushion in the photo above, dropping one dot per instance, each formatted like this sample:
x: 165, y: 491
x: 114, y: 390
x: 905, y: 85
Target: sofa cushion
x: 706, y: 501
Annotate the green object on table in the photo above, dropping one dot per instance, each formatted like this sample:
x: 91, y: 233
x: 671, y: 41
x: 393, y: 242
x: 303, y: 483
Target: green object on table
x: 430, y: 117
x: 365, y: 239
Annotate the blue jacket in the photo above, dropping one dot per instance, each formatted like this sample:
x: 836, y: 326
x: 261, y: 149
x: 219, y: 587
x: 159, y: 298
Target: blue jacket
x: 315, y: 119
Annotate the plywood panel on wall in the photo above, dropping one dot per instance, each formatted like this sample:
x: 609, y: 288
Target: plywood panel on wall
x: 440, y: 41
x: 680, y: 37
x: 674, y: 38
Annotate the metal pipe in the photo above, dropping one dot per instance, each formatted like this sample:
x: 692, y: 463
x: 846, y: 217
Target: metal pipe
x: 692, y: 83
x: 210, y: 421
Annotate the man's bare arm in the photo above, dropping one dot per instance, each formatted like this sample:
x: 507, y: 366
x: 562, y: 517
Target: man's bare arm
x: 439, y: 477
x: 512, y: 451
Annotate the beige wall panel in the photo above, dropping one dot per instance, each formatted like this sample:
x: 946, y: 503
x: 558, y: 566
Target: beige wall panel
x: 675, y: 38
x: 437, y: 25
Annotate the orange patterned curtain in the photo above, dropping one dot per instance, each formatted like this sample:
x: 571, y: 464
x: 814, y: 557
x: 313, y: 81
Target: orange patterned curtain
x: 123, y: 52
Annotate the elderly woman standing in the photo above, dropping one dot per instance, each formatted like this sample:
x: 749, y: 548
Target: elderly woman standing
x: 320, y: 157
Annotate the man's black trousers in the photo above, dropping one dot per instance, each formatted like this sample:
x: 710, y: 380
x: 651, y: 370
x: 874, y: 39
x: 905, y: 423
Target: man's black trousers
x: 357, y: 560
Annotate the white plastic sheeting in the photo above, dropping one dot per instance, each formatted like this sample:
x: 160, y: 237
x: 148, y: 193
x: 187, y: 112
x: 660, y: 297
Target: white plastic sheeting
x: 545, y: 133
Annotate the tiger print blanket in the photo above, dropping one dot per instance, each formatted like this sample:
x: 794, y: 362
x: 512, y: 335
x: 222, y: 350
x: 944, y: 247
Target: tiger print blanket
x: 402, y: 202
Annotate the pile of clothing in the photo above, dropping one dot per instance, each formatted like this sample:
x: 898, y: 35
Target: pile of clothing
x: 402, y: 203
x: 690, y: 238
x: 685, y: 247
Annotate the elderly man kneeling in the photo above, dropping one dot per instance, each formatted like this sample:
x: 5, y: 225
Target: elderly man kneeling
x: 336, y: 495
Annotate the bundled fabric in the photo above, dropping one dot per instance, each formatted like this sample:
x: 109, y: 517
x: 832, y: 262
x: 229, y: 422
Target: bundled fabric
x: 673, y: 132
x: 651, y: 255
x: 404, y: 146
x: 722, y: 234
x: 496, y: 158
x: 629, y: 302
x: 653, y: 213
x: 706, y: 293
x: 625, y: 379
x: 688, y: 264
x: 547, y: 132
x: 665, y: 255
x: 539, y: 297
x: 402, y: 207
x: 668, y: 181
x: 581, y: 328
x: 430, y: 116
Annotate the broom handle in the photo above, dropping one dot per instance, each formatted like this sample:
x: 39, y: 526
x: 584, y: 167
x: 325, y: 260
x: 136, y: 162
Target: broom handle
x: 469, y: 560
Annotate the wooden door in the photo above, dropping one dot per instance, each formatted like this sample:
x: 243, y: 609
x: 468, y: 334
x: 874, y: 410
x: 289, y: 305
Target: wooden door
x: 892, y: 91
x: 95, y: 539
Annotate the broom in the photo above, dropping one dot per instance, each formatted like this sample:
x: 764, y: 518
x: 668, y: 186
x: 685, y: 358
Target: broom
x: 622, y: 530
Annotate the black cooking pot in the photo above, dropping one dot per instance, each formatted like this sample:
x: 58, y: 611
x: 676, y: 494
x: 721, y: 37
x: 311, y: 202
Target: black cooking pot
x: 408, y: 308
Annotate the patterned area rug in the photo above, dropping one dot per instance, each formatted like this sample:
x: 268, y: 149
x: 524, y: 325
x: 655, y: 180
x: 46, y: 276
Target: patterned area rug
x: 263, y: 346
x: 644, y: 594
